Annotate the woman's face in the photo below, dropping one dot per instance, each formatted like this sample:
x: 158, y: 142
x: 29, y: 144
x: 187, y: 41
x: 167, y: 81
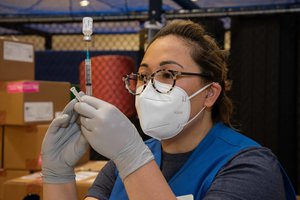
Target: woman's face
x: 172, y: 49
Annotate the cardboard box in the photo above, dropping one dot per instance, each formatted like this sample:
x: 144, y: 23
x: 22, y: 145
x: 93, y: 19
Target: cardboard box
x: 29, y: 102
x: 84, y: 185
x: 1, y: 146
x: 19, y: 188
x: 94, y: 166
x: 6, y: 175
x: 16, y: 60
x: 32, y: 184
x: 22, y: 146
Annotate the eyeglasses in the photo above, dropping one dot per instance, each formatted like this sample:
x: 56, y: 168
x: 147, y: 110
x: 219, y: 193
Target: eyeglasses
x: 135, y: 83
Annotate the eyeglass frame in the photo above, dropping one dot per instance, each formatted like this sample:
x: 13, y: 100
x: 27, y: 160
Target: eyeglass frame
x: 151, y: 77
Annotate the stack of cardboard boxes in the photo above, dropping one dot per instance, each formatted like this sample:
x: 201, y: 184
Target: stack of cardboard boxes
x: 31, y: 184
x: 27, y: 106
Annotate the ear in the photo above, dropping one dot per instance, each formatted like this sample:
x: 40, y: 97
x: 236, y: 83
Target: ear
x: 213, y: 92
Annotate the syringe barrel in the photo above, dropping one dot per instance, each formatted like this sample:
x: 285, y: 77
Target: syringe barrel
x: 88, y: 77
x: 88, y: 90
x: 87, y: 30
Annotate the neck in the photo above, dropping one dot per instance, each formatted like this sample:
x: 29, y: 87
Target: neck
x: 190, y: 136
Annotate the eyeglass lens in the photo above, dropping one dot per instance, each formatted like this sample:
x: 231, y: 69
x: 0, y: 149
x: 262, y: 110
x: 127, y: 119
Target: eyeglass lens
x: 162, y: 81
x: 133, y: 82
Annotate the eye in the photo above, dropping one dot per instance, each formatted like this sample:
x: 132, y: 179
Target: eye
x: 142, y: 76
x: 163, y: 76
x: 166, y: 75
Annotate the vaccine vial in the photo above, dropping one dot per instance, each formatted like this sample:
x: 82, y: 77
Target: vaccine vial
x: 87, y: 28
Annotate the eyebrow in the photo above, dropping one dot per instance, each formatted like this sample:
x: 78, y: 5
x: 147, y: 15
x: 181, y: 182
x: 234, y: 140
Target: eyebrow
x: 163, y: 63
x: 144, y: 65
x: 169, y: 62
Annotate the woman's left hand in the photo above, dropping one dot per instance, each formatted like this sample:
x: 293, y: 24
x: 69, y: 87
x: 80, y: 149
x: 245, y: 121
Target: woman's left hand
x: 62, y: 147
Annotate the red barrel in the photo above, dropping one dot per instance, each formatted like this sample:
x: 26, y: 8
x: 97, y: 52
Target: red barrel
x: 107, y: 73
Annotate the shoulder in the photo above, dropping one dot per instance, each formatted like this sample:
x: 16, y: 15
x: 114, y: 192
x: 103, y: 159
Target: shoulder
x: 259, y: 161
x: 253, y: 173
x: 256, y: 155
x: 232, y: 137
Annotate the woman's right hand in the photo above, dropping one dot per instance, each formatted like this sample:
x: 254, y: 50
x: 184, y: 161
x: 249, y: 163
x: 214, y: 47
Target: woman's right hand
x: 62, y: 147
x: 112, y: 135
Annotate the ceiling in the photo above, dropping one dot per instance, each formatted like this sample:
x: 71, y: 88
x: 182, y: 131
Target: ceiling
x: 52, y: 16
x: 50, y: 8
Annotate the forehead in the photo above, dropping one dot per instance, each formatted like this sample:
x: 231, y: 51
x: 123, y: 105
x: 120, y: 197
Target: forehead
x: 168, y: 44
x: 168, y: 48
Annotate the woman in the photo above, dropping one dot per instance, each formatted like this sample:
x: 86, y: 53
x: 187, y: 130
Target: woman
x: 181, y: 102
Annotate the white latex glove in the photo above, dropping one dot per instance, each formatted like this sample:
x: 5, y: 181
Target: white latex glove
x: 111, y: 134
x: 62, y: 147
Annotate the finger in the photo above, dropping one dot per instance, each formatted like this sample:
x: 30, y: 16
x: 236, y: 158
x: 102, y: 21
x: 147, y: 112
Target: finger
x: 94, y: 102
x: 69, y: 107
x: 74, y: 117
x: 85, y: 110
x: 70, y: 131
x: 58, y: 122
x: 85, y: 122
x: 87, y: 134
x: 53, y: 133
x: 81, y: 94
x: 76, y: 145
x: 78, y: 121
x: 82, y: 145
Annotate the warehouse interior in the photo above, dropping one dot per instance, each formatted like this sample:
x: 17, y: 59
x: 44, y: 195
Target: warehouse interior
x: 262, y: 37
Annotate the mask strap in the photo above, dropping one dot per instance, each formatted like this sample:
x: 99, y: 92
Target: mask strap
x: 194, y: 116
x: 201, y: 90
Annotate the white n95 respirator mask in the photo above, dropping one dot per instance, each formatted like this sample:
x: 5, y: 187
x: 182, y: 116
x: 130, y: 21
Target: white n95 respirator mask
x: 163, y: 116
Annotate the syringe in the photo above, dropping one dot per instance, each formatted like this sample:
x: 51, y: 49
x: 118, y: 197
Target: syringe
x: 88, y: 74
x: 87, y: 30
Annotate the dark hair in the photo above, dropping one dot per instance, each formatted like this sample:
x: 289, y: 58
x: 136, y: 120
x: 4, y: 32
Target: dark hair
x: 209, y: 56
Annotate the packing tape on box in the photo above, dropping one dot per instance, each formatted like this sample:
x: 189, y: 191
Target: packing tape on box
x: 22, y: 87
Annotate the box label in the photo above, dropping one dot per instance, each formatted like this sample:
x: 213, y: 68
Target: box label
x: 32, y: 176
x: 17, y: 51
x: 22, y: 87
x: 81, y: 175
x: 38, y: 111
x: 186, y: 197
